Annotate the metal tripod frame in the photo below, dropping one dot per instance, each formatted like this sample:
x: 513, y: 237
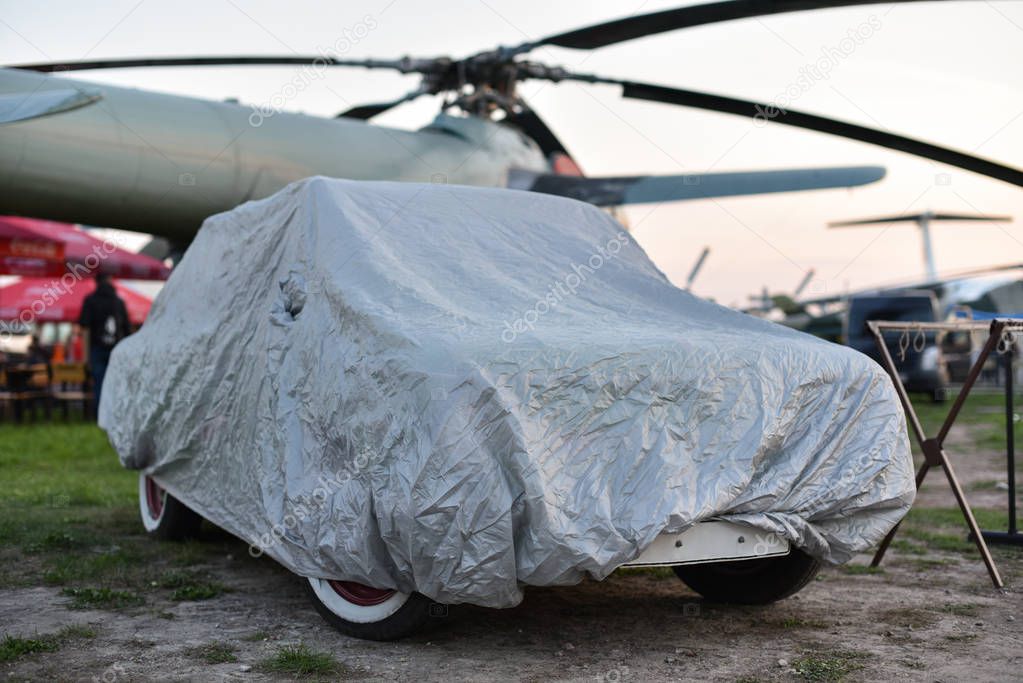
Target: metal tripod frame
x: 933, y: 447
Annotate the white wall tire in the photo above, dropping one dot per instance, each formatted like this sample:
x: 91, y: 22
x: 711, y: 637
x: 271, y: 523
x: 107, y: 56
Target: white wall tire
x: 368, y: 613
x: 163, y: 515
x: 365, y: 613
x: 152, y: 503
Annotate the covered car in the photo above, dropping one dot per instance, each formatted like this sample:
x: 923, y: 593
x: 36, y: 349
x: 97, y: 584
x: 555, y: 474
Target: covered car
x: 454, y: 392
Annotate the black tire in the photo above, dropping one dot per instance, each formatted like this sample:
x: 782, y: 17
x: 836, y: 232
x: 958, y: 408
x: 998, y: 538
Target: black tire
x: 163, y: 515
x: 404, y: 621
x: 750, y: 582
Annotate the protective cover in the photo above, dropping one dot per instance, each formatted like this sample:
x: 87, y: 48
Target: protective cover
x: 460, y: 391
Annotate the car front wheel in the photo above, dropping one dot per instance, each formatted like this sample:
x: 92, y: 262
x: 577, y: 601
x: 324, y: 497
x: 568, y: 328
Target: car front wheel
x: 368, y: 613
x: 750, y: 582
x: 163, y: 515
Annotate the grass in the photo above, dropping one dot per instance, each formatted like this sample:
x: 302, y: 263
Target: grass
x: 983, y: 414
x: 944, y: 530
x: 960, y: 609
x: 657, y: 573
x: 962, y: 637
x: 69, y: 518
x: 256, y: 636
x: 102, y: 598
x: 908, y: 547
x: 857, y: 569
x: 190, y: 585
x: 12, y: 647
x: 212, y: 653
x: 982, y: 408
x: 828, y: 666
x: 299, y: 660
x: 60, y: 466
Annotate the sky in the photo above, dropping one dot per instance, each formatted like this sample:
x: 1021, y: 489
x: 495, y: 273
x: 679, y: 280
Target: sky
x: 949, y: 73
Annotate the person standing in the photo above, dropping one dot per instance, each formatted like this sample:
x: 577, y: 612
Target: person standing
x: 105, y: 317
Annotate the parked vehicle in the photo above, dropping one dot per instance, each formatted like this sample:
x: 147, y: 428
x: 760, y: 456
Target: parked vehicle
x: 921, y: 363
x: 386, y: 408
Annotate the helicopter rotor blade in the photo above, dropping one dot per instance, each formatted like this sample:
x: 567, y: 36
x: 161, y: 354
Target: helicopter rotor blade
x: 530, y: 123
x: 641, y: 25
x: 763, y: 112
x: 368, y: 111
x: 404, y: 65
x: 642, y: 189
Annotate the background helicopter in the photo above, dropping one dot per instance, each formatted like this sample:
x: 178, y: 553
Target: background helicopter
x: 160, y: 163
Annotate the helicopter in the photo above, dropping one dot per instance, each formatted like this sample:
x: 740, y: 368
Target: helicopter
x: 133, y: 159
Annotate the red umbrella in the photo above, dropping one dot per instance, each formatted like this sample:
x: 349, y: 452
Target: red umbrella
x: 42, y: 300
x: 24, y: 252
x: 33, y: 247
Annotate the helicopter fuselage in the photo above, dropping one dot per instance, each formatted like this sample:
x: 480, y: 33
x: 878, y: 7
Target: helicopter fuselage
x: 160, y: 163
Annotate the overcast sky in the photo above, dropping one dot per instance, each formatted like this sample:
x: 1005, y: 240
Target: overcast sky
x: 950, y: 73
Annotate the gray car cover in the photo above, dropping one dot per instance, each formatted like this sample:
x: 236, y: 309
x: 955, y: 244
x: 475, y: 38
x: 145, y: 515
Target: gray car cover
x: 461, y: 391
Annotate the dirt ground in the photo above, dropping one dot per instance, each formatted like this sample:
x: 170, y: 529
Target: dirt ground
x: 931, y: 614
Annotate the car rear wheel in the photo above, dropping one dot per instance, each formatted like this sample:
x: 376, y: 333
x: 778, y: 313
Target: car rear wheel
x: 750, y: 582
x: 368, y: 613
x: 163, y: 515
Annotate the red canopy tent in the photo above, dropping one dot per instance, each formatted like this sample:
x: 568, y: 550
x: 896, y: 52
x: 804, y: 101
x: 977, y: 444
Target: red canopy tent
x: 38, y: 248
x: 45, y: 300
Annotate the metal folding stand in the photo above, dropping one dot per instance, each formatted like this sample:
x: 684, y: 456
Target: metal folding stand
x: 933, y: 447
x: 1012, y: 536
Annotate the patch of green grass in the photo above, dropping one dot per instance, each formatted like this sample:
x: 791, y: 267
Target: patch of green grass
x: 960, y: 609
x: 908, y: 547
x: 986, y: 485
x: 102, y: 598
x: 212, y: 653
x: 908, y: 616
x: 925, y: 563
x: 856, y: 569
x: 962, y: 637
x: 299, y: 660
x: 12, y: 647
x: 77, y: 631
x: 944, y: 529
x: 828, y: 666
x: 69, y: 518
x: 191, y: 586
x: 951, y: 543
x: 116, y: 565
x: 203, y: 591
x: 61, y: 540
x: 658, y: 573
x: 953, y: 517
x: 981, y: 409
x: 57, y: 465
x: 256, y: 636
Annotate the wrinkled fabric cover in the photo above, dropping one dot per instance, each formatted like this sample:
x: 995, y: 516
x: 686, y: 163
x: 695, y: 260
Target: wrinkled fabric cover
x: 444, y: 389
